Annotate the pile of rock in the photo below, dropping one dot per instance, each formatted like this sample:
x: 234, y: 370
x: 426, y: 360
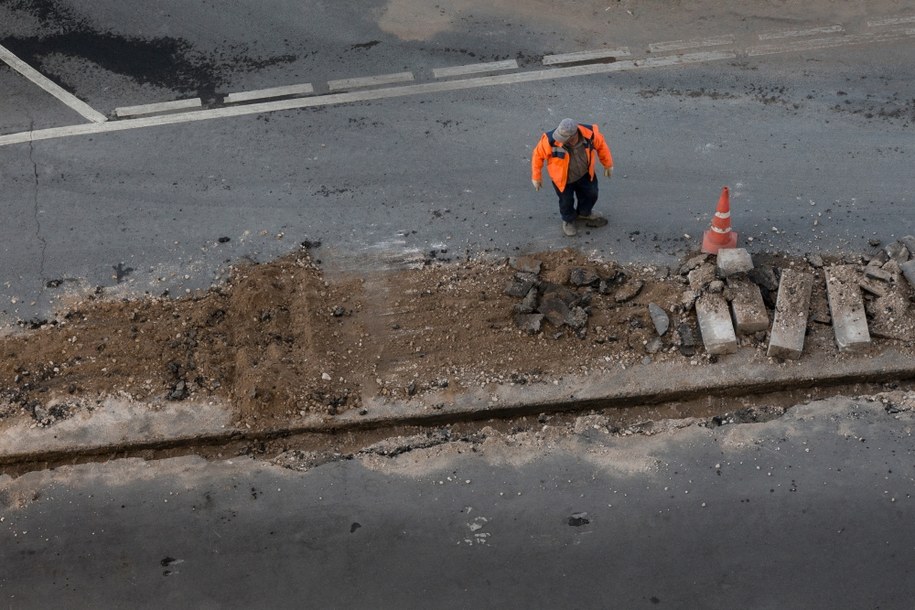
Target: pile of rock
x: 887, y: 299
x: 564, y: 305
x: 725, y: 286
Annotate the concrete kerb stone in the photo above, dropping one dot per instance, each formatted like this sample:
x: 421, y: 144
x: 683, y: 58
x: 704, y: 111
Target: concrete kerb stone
x: 185, y: 425
x: 786, y: 340
x: 846, y: 305
x: 732, y: 261
x: 715, y: 324
x: 750, y: 315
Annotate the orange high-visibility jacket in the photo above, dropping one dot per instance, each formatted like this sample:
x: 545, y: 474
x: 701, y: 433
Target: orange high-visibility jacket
x: 557, y: 157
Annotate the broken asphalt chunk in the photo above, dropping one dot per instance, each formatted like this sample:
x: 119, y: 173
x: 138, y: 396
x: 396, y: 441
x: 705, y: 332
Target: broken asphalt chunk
x: 529, y: 323
x: 659, y: 317
x: 628, y: 291
x: 530, y: 302
x: 579, y: 276
x: 764, y: 277
x: 525, y: 264
x: 520, y: 285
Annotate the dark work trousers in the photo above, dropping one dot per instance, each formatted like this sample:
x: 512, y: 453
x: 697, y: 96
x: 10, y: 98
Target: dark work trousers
x: 585, y: 190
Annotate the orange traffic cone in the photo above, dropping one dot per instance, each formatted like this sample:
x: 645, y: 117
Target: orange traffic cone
x: 720, y: 234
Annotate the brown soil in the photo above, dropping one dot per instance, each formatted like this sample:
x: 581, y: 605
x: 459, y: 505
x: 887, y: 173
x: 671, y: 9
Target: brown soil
x: 281, y: 340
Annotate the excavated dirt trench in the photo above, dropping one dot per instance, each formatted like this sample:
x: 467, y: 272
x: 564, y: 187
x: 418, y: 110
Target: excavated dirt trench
x: 281, y: 341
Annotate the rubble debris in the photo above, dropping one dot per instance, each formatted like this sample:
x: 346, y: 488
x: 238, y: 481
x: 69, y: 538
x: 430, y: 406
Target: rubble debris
x: 526, y: 264
x: 878, y: 273
x: 897, y: 251
x: 520, y: 284
x: 530, y: 323
x: 908, y: 270
x: 659, y: 317
x: 580, y: 276
x: 872, y: 287
x: 815, y: 260
x: 530, y: 302
x: 628, y: 291
x: 701, y: 277
x: 687, y: 337
x: 693, y: 263
x: 764, y: 276
x: 909, y: 242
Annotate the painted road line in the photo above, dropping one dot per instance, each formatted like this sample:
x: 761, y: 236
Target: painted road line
x: 679, y: 45
x: 492, y: 66
x: 826, y: 43
x: 368, y: 81
x: 130, y: 111
x: 51, y: 87
x: 262, y: 94
x: 571, y: 58
x: 828, y: 29
x: 876, y: 23
x: 367, y: 95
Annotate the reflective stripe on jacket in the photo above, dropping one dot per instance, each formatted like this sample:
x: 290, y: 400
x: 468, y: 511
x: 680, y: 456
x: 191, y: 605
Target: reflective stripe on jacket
x: 557, y: 156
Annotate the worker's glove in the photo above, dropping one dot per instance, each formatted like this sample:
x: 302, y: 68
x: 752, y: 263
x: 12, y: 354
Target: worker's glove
x: 537, y: 184
x: 608, y: 171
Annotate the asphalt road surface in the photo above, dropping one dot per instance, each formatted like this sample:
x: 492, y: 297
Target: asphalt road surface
x: 805, y: 113
x: 813, y: 510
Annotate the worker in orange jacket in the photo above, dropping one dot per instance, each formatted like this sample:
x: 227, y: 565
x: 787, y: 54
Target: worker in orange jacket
x: 571, y: 151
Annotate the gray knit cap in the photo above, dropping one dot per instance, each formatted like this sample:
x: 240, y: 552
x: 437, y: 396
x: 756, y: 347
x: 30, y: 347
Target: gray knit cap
x: 567, y: 127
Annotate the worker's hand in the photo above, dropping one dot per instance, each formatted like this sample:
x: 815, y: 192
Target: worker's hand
x: 608, y: 171
x: 537, y: 184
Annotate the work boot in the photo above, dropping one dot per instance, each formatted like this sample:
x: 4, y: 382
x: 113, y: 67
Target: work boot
x: 593, y: 220
x: 569, y: 229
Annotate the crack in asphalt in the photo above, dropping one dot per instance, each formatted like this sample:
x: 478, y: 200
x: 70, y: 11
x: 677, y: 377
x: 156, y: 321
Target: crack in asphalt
x: 44, y: 242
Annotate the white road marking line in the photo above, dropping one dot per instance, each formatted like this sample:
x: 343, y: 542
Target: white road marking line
x: 362, y: 96
x: 492, y: 66
x: 826, y: 43
x: 261, y: 94
x: 678, y: 45
x: 129, y: 111
x: 569, y: 58
x: 368, y: 81
x: 51, y: 87
x: 876, y: 23
x: 828, y: 29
